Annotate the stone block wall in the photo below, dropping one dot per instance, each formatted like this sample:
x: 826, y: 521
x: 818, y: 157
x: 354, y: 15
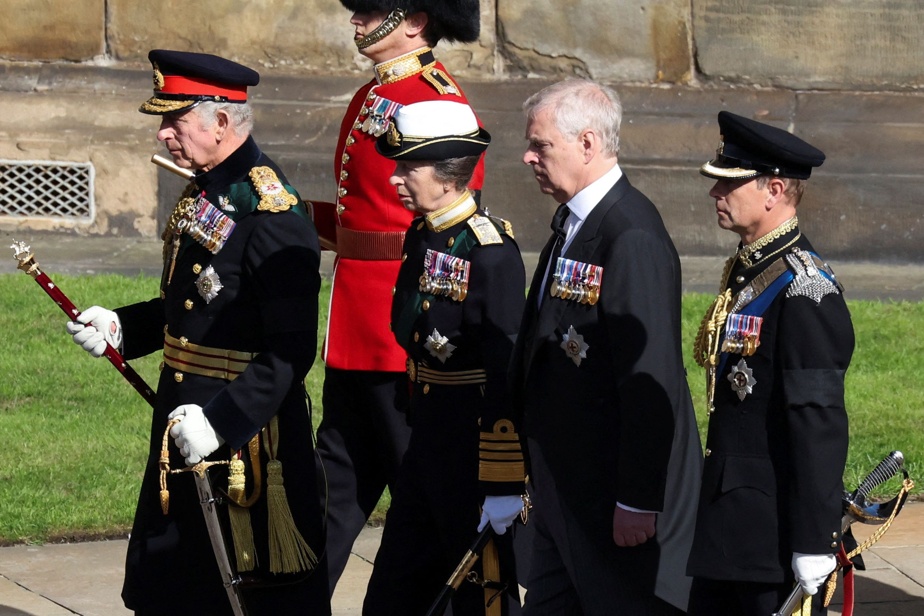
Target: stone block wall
x: 846, y: 75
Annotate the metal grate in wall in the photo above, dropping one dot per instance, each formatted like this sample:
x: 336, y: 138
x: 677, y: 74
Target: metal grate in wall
x: 46, y: 189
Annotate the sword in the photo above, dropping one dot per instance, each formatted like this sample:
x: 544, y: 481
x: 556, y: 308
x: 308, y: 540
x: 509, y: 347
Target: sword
x: 230, y: 580
x: 458, y: 576
x: 27, y: 263
x: 857, y: 508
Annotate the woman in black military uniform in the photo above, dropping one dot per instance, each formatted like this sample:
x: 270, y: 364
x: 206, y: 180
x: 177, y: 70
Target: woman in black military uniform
x: 456, y: 310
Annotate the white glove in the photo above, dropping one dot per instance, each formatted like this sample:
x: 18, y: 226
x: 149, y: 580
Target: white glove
x: 500, y: 512
x: 94, y: 328
x: 812, y: 570
x: 194, y: 435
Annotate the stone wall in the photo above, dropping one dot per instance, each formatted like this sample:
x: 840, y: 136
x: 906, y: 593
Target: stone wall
x: 845, y: 74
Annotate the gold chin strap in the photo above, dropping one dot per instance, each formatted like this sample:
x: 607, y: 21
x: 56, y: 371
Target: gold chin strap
x: 384, y: 29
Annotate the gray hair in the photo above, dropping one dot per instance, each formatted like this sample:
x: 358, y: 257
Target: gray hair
x: 241, y: 115
x: 578, y: 104
x: 457, y: 171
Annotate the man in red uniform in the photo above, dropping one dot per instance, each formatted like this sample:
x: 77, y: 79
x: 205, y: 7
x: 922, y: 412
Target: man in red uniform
x: 364, y: 432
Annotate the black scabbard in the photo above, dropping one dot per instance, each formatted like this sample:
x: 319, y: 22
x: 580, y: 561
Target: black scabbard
x: 458, y: 576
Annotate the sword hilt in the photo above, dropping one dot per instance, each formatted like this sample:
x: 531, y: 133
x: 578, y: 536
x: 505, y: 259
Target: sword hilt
x: 885, y: 470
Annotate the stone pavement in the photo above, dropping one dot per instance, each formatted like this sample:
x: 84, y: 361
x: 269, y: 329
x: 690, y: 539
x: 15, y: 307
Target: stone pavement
x: 86, y: 578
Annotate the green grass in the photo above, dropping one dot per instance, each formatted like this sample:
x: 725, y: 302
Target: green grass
x: 74, y: 434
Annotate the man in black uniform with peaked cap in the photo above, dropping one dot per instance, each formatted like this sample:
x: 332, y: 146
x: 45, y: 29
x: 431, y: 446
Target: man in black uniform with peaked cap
x: 236, y: 321
x: 776, y: 345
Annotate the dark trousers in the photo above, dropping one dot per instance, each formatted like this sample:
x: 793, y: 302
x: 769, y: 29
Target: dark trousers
x: 711, y: 597
x: 434, y: 516
x: 572, y: 575
x: 361, y: 440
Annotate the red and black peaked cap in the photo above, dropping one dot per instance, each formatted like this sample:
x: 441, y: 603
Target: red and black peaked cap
x: 184, y: 79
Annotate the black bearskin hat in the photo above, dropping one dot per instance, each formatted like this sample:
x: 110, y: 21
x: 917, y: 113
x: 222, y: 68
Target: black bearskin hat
x: 452, y: 20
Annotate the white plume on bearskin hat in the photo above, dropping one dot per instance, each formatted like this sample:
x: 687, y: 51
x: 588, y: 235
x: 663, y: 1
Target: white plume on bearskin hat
x: 452, y: 20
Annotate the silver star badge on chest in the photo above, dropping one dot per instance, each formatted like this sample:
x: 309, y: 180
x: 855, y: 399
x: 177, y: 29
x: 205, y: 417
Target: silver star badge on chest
x: 208, y: 284
x: 439, y: 346
x: 574, y: 345
x: 742, y: 379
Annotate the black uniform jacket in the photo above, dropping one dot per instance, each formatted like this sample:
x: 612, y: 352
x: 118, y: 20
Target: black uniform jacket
x: 463, y: 445
x: 772, y: 481
x: 481, y: 330
x: 267, y: 305
x: 620, y: 426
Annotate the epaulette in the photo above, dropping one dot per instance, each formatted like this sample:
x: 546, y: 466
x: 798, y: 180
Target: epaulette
x: 486, y: 230
x: 441, y: 81
x: 812, y: 278
x: 273, y: 194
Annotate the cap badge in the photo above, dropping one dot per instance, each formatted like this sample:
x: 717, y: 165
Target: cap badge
x: 742, y: 379
x: 208, y: 284
x: 394, y: 137
x: 574, y: 345
x: 439, y: 346
x: 158, y: 78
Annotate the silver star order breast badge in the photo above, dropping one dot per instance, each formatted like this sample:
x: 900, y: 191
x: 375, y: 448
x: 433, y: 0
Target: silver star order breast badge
x: 574, y: 345
x: 439, y: 346
x: 208, y: 284
x: 742, y: 379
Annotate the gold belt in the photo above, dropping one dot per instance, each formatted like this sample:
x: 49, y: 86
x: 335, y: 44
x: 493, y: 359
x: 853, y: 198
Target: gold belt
x: 182, y: 355
x: 420, y: 373
x: 369, y: 245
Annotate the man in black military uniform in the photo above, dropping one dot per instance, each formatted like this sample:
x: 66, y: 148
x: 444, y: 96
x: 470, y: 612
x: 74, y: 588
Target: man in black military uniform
x: 236, y: 320
x: 776, y: 345
x: 456, y: 309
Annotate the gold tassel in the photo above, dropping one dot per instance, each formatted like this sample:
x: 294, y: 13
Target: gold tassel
x: 164, y: 464
x: 241, y: 530
x: 289, y: 552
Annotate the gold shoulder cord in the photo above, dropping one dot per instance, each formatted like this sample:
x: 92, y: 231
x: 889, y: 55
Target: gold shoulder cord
x: 706, y: 347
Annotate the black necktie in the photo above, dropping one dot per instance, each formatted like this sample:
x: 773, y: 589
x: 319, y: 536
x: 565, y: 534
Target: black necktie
x: 558, y: 226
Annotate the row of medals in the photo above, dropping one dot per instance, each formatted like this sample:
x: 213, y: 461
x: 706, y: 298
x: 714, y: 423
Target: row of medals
x: 581, y: 293
x: 375, y: 125
x: 454, y: 289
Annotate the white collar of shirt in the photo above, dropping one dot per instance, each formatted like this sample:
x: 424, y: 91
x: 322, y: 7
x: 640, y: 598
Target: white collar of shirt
x: 583, y: 203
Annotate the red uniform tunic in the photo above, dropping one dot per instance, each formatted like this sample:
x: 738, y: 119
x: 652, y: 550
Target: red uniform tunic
x: 367, y: 222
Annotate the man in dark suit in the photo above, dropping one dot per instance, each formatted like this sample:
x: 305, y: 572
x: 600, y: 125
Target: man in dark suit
x: 770, y: 509
x: 598, y: 377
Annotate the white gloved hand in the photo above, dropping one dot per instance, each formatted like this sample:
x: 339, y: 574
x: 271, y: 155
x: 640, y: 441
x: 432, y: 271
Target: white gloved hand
x: 812, y: 570
x: 94, y: 328
x: 194, y: 435
x: 500, y: 512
